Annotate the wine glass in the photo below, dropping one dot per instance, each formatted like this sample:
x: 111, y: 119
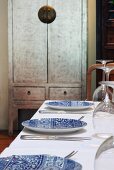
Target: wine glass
x: 110, y: 84
x: 104, y: 158
x: 107, y: 70
x: 99, y: 93
x: 103, y: 115
x: 104, y: 62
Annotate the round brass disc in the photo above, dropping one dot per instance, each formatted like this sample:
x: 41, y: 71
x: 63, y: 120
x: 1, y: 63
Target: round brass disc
x: 47, y: 14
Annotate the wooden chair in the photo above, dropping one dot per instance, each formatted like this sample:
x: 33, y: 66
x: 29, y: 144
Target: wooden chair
x: 89, y: 77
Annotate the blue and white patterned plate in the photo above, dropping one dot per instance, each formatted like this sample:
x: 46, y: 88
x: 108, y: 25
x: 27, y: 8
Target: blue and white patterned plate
x: 38, y: 162
x: 69, y: 105
x: 54, y: 125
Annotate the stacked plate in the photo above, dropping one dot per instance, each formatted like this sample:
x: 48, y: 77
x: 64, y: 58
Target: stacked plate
x: 69, y: 105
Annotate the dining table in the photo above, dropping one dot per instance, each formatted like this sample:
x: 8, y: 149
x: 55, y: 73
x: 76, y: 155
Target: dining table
x: 82, y: 140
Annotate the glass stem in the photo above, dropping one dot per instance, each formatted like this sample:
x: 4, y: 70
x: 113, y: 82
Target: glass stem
x: 107, y: 76
x: 107, y: 99
x: 103, y: 74
x: 113, y: 95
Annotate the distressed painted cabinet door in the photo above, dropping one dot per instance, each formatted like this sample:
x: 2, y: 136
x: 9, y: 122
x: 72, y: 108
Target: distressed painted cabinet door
x: 67, y: 44
x: 64, y: 43
x: 46, y: 61
x: 29, y: 42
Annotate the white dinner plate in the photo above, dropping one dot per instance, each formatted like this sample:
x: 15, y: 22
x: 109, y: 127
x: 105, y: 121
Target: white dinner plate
x: 58, y: 125
x: 69, y: 105
x: 38, y: 162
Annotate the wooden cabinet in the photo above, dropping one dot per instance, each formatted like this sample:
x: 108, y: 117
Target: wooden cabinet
x: 105, y: 29
x: 108, y: 28
x: 46, y: 61
x: 105, y: 33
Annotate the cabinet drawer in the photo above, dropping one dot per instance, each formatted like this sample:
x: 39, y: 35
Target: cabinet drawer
x: 61, y: 93
x: 29, y: 93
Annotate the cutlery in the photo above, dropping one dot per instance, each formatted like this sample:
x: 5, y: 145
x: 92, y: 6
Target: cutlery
x: 55, y: 111
x: 81, y: 117
x: 61, y: 138
x: 44, y: 111
x: 71, y: 154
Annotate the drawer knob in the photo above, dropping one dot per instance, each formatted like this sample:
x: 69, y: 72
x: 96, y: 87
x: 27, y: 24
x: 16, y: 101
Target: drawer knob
x: 29, y: 93
x: 65, y: 93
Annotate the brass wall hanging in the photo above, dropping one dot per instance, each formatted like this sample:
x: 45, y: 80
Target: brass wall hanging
x: 47, y: 14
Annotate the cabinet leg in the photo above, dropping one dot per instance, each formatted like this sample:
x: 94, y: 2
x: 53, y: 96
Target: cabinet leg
x: 13, y: 119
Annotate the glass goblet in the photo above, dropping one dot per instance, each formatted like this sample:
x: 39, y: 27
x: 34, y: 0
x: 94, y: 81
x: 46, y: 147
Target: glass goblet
x: 107, y: 70
x: 104, y: 158
x: 99, y: 93
x: 110, y: 84
x: 104, y: 62
x: 103, y: 116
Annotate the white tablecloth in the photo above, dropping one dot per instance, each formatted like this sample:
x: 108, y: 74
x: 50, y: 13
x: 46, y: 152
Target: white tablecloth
x: 86, y: 149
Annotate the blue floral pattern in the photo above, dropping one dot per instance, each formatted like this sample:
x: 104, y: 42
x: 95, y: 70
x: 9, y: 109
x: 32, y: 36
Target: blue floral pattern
x: 38, y: 162
x: 54, y: 123
x: 70, y: 103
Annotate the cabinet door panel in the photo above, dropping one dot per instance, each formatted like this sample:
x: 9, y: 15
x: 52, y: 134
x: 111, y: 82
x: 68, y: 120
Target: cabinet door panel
x: 29, y: 42
x: 65, y: 42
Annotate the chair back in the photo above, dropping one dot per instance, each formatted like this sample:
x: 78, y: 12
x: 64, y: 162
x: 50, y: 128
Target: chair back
x: 89, y: 78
